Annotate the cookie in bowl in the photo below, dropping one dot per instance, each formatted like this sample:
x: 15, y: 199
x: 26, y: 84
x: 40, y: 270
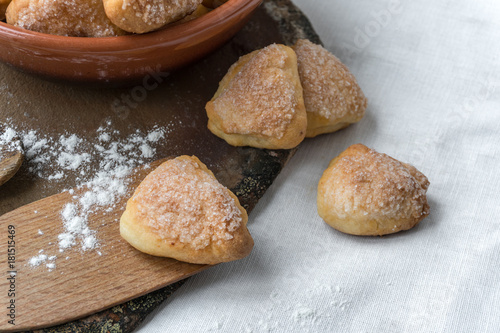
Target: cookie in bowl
x: 77, y: 18
x: 126, y: 60
x: 141, y: 16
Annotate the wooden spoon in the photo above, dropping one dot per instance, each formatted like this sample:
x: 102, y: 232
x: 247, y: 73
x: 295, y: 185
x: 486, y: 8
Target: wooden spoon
x: 10, y: 162
x: 82, y: 283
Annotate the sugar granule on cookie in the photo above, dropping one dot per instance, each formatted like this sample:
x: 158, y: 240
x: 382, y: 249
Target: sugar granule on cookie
x: 332, y: 96
x: 363, y: 192
x: 181, y: 211
x: 259, y: 102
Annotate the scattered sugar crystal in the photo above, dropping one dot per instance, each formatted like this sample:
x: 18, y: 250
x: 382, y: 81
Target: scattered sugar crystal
x: 156, y: 135
x: 89, y: 242
x: 66, y: 240
x: 37, y: 260
x: 303, y: 315
x: 68, y: 211
x: 70, y: 161
x: 105, y: 137
x: 9, y: 141
x: 58, y: 175
x: 57, y: 158
x: 8, y: 135
x: 70, y: 143
x: 320, y: 302
x: 146, y: 150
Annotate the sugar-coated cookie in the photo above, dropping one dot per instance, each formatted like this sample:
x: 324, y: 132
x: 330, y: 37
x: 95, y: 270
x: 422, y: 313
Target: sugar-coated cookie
x: 332, y: 97
x: 181, y: 211
x: 259, y: 102
x: 363, y: 192
x: 78, y: 18
x: 140, y: 16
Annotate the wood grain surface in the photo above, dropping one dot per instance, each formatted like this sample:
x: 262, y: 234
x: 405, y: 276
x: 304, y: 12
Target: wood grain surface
x: 10, y: 162
x: 86, y: 282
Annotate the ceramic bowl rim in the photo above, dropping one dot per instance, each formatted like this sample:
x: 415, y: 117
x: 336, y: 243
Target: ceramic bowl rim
x: 174, y: 33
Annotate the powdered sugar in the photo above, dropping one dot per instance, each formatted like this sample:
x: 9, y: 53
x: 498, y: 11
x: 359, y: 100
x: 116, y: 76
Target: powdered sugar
x: 41, y: 258
x: 9, y: 141
x: 37, y: 260
x: 7, y: 138
x: 303, y: 314
x: 318, y: 304
x: 98, y: 188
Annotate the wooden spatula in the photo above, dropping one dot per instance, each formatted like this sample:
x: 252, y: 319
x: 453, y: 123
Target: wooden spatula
x: 82, y: 283
x: 10, y: 162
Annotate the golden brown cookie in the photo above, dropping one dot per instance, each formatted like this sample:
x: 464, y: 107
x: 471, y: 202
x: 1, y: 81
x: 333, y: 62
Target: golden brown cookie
x: 181, y: 211
x: 363, y: 192
x: 259, y: 102
x: 140, y: 16
x: 79, y: 18
x: 3, y: 7
x: 332, y: 96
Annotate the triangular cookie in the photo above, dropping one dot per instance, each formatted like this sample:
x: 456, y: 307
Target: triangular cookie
x: 363, y: 192
x: 78, y: 18
x: 259, y: 102
x: 181, y: 211
x: 332, y: 97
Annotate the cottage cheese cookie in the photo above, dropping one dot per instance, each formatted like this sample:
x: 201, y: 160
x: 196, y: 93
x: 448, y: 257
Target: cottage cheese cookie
x: 332, y: 96
x: 78, y: 18
x: 181, y: 211
x: 363, y: 192
x: 259, y: 102
x: 140, y: 16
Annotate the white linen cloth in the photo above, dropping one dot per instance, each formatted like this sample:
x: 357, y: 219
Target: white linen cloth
x: 431, y: 72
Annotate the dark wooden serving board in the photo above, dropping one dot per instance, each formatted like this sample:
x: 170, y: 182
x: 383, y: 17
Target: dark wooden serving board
x: 58, y: 108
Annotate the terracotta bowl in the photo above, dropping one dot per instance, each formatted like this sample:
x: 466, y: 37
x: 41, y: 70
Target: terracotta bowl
x: 123, y: 59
